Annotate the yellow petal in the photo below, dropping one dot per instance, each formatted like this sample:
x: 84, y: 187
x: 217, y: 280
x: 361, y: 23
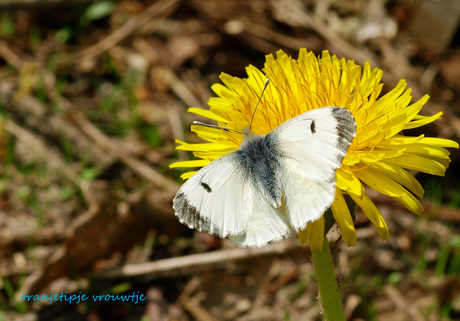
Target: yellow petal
x: 400, y: 140
x: 305, y: 234
x: 219, y: 105
x: 223, y: 91
x: 411, y: 203
x: 371, y: 156
x: 393, y: 121
x: 215, y: 135
x: 188, y: 175
x: 256, y: 78
x: 439, y: 142
x: 424, y: 150
x: 422, y: 120
x: 390, y: 96
x: 206, y: 113
x: 210, y: 155
x: 343, y: 219
x: 373, y: 215
x: 400, y: 175
x: 205, y: 147
x: 235, y: 84
x: 313, y: 233
x: 347, y: 181
x: 381, y: 183
x: 317, y: 234
x: 418, y: 163
x: 191, y: 163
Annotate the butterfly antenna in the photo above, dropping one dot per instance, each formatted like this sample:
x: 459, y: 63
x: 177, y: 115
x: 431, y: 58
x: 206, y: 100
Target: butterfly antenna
x: 260, y: 98
x: 216, y: 126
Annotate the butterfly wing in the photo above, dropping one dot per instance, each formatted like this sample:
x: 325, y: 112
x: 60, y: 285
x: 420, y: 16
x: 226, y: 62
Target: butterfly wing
x: 266, y: 224
x: 221, y: 199
x: 312, y: 147
x: 224, y: 198
x: 217, y: 199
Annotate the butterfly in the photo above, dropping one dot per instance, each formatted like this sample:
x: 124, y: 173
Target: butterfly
x: 274, y: 184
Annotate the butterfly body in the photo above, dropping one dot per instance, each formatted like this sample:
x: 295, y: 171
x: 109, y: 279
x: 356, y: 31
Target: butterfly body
x: 273, y: 184
x: 260, y: 163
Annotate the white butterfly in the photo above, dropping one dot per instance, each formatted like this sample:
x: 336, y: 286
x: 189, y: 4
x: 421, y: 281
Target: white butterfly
x: 273, y: 184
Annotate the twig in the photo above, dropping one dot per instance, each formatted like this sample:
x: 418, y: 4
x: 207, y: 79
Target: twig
x: 262, y: 32
x: 85, y: 232
x: 160, y: 8
x: 188, y: 290
x: 182, y: 91
x: 178, y: 87
x: 175, y: 122
x: 192, y: 262
x: 35, y: 114
x: 294, y: 13
x: 396, y: 66
x: 12, y: 4
x: 135, y: 164
x: 20, y: 242
x: 254, y: 34
x: 9, y: 55
x: 402, y: 304
x: 197, y: 311
x: 37, y: 145
x: 92, y: 132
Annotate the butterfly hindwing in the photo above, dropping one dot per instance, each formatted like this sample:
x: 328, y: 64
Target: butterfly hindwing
x: 217, y: 199
x: 266, y: 224
x: 306, y: 200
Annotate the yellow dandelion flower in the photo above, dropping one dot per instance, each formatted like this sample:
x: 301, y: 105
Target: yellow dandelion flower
x: 380, y: 156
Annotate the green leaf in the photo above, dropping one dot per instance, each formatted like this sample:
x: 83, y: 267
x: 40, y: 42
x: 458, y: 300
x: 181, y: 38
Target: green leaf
x: 89, y: 173
x: 98, y: 10
x: 7, y: 25
x: 63, y: 35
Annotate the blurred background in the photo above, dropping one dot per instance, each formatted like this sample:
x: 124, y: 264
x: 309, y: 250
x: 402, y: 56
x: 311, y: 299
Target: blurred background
x: 92, y: 96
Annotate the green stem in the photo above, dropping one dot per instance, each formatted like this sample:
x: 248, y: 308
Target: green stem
x: 328, y: 289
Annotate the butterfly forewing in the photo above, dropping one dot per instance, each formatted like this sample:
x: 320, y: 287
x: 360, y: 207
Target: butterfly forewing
x: 217, y: 199
x: 315, y: 142
x: 313, y: 146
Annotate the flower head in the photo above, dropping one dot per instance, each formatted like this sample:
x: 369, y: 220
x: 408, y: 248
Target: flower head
x: 380, y: 156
